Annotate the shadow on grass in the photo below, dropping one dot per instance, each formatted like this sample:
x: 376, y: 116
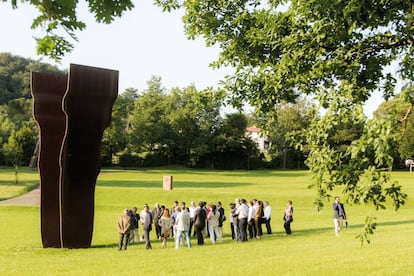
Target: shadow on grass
x: 177, y: 184
x: 154, y: 243
x: 109, y: 245
x: 189, y: 171
x: 266, y: 173
x: 19, y: 184
x: 305, y: 232
x: 392, y: 223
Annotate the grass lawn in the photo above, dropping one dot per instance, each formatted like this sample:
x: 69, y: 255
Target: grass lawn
x: 312, y: 249
x: 27, y: 181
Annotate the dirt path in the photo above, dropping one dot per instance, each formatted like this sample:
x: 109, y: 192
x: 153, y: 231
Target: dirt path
x: 31, y: 198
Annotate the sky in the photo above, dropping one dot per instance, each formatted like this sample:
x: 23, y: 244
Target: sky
x: 142, y: 43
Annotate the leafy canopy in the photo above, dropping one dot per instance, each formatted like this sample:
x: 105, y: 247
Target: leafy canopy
x: 281, y: 49
x: 56, y: 16
x: 339, y: 52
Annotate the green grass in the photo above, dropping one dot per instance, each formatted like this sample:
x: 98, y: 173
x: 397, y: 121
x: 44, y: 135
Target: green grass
x: 313, y: 248
x: 27, y: 181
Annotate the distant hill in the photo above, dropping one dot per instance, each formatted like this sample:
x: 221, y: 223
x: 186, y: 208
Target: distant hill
x: 15, y: 76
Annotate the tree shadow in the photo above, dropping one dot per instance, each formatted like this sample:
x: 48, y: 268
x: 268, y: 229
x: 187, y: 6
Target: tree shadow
x: 305, y: 232
x: 109, y: 245
x: 264, y: 173
x: 392, y: 223
x: 190, y: 171
x: 176, y: 184
x: 19, y: 184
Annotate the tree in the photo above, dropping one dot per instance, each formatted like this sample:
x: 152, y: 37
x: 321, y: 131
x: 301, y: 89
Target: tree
x: 281, y: 49
x: 19, y: 111
x: 233, y: 150
x: 115, y: 138
x: 234, y: 124
x: 59, y: 16
x: 402, y: 122
x: 177, y: 125
x: 289, y: 118
x: 150, y: 129
x: 6, y: 128
x: 15, y: 76
x: 336, y: 50
x: 19, y: 148
x: 15, y: 102
x: 194, y: 118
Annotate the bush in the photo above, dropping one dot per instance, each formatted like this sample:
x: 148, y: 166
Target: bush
x: 155, y: 159
x: 106, y: 161
x: 129, y: 160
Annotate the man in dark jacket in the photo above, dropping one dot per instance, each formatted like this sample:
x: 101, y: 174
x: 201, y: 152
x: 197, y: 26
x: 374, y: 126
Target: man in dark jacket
x: 339, y: 215
x: 146, y: 220
x: 156, y: 214
x: 222, y: 217
x: 134, y: 226
x: 200, y: 217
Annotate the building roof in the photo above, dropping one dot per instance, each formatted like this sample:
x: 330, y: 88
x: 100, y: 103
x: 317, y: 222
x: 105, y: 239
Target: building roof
x: 253, y: 129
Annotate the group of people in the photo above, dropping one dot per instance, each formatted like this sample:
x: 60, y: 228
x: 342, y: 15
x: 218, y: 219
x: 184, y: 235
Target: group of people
x: 246, y: 220
x: 128, y: 225
x: 206, y: 220
x: 200, y: 220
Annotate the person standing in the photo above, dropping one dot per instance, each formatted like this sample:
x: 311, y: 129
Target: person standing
x: 124, y: 224
x: 258, y: 218
x: 222, y: 217
x: 268, y: 216
x: 288, y: 217
x: 232, y: 206
x: 174, y: 214
x: 165, y: 223
x: 205, y: 230
x: 250, y: 220
x: 200, y: 217
x: 213, y: 223
x: 134, y: 226
x: 157, y: 213
x: 339, y: 215
x: 242, y: 213
x: 192, y: 208
x: 236, y: 221
x: 146, y: 221
x: 182, y: 227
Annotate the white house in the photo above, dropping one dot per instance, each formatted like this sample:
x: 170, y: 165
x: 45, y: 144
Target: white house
x: 256, y: 134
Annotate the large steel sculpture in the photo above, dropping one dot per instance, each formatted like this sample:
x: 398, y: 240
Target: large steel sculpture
x: 72, y: 112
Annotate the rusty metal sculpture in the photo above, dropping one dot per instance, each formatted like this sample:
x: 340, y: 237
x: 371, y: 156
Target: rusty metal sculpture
x: 72, y: 112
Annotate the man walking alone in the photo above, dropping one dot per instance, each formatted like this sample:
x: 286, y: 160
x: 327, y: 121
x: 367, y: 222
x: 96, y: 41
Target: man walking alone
x: 124, y: 224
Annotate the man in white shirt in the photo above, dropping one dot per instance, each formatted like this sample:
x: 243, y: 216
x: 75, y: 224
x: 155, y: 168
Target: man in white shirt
x: 268, y: 215
x: 192, y: 211
x: 250, y: 219
x: 182, y: 227
x: 242, y: 213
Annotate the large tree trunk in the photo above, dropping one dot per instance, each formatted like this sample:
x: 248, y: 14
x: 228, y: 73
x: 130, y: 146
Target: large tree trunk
x: 35, y: 157
x: 284, y: 156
